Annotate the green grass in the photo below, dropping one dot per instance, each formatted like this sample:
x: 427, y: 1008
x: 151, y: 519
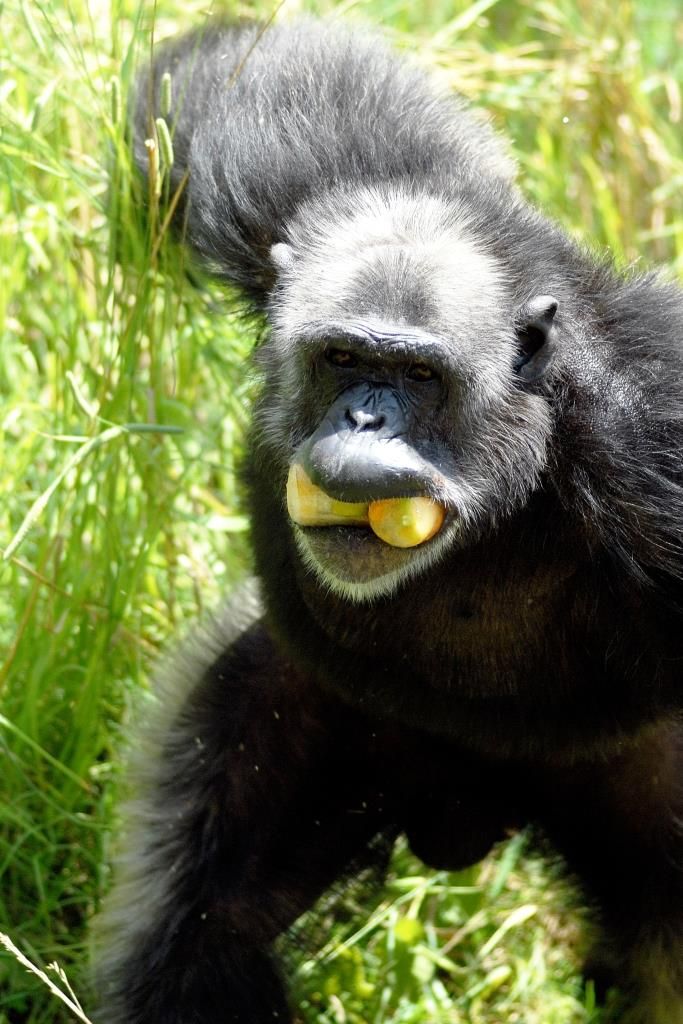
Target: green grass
x: 122, y: 403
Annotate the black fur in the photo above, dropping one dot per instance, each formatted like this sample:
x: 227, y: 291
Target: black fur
x: 525, y: 665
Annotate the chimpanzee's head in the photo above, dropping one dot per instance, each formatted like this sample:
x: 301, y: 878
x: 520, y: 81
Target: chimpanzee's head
x: 404, y: 393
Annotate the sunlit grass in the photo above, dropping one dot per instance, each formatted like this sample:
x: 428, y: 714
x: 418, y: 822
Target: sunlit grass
x: 122, y: 403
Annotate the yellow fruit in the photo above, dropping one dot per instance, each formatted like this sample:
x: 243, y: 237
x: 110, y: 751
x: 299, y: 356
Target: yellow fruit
x: 405, y: 522
x: 400, y: 522
x: 308, y: 505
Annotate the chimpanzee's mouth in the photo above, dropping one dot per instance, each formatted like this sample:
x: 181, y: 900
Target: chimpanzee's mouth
x: 402, y: 522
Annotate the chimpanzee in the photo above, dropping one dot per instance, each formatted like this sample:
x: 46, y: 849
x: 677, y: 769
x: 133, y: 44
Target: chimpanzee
x: 466, y: 501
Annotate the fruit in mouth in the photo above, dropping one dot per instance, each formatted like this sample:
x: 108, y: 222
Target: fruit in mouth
x: 405, y: 522
x: 308, y: 505
x: 400, y: 522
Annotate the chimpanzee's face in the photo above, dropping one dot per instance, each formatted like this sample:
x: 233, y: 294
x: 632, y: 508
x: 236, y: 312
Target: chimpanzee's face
x: 400, y: 391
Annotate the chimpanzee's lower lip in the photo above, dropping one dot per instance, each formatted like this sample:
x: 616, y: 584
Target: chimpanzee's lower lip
x: 352, y: 553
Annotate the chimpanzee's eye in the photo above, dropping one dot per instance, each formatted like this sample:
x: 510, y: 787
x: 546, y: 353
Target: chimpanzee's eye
x: 341, y: 358
x: 421, y: 373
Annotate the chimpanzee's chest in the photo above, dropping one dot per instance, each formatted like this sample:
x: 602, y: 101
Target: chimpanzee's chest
x: 476, y: 627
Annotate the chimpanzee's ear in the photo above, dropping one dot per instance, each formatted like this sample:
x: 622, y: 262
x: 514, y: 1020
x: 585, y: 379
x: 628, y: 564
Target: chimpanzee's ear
x: 535, y: 337
x: 282, y: 256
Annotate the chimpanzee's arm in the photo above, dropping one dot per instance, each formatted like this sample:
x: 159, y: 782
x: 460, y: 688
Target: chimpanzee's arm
x: 259, y: 796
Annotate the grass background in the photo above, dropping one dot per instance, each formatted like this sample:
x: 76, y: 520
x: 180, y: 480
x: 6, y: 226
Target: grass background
x: 122, y: 403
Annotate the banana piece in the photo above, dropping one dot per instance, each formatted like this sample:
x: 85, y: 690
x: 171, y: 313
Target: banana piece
x: 308, y: 505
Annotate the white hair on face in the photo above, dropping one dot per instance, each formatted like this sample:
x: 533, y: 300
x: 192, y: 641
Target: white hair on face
x: 318, y: 280
x: 426, y: 245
